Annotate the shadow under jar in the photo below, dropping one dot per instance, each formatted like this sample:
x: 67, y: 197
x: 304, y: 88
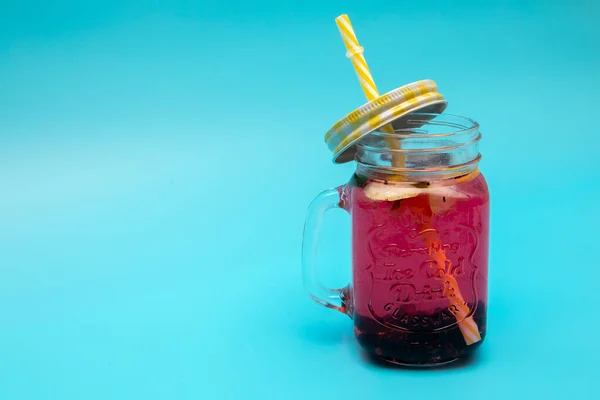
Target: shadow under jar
x: 420, y: 233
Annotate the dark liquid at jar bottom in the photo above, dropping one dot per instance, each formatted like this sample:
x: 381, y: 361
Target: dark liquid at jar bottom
x: 417, y: 348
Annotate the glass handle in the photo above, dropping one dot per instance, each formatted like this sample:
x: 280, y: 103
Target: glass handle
x: 331, y: 298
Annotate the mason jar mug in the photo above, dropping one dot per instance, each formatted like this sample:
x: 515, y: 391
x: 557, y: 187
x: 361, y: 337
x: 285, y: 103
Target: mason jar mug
x: 420, y: 236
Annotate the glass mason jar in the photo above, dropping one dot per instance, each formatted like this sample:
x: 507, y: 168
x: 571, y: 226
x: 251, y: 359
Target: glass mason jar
x: 420, y: 237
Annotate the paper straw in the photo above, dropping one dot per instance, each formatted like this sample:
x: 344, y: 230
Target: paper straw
x: 355, y: 54
x: 468, y: 326
x: 458, y: 307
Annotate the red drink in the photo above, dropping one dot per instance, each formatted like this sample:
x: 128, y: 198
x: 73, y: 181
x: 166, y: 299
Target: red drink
x: 420, y: 255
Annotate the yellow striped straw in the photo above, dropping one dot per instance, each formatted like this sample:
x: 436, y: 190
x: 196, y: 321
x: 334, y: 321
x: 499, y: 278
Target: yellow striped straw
x: 467, y: 325
x: 355, y: 54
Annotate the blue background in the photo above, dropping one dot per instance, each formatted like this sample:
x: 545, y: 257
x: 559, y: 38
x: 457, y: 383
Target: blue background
x: 157, y: 158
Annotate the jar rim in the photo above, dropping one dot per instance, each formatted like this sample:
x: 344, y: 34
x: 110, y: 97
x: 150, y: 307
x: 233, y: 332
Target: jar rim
x: 424, y: 145
x: 462, y: 125
x: 369, y: 147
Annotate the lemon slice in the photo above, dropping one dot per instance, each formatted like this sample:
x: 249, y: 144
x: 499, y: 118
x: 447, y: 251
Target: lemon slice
x: 443, y: 198
x: 390, y: 192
